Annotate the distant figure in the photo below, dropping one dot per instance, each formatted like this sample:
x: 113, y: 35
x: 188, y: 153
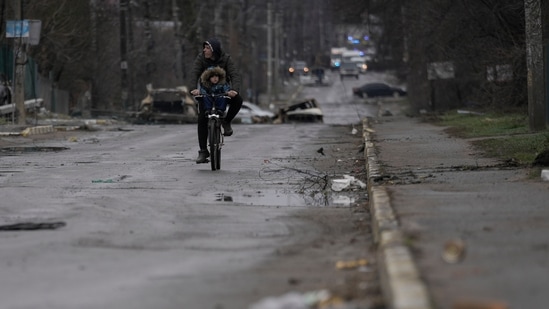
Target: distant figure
x: 5, y: 91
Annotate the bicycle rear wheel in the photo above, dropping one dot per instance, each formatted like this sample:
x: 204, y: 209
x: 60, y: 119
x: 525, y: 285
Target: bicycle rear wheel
x: 214, y: 137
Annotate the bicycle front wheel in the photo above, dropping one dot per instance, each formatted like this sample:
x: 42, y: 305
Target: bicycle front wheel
x: 214, y: 137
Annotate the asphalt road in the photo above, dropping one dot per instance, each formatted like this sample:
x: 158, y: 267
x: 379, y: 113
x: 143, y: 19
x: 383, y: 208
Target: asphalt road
x: 124, y: 218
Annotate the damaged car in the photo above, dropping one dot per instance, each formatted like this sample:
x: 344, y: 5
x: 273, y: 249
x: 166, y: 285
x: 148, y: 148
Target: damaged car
x: 307, y: 110
x: 251, y: 113
x: 168, y: 105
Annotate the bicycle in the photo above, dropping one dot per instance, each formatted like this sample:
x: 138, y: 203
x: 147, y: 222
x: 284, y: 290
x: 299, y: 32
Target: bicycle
x: 216, y: 106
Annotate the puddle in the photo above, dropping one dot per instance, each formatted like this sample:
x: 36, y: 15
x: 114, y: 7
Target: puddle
x: 11, y: 151
x: 283, y: 198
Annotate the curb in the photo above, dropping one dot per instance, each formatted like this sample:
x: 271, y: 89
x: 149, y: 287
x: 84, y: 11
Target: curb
x: 401, y: 283
x: 37, y: 130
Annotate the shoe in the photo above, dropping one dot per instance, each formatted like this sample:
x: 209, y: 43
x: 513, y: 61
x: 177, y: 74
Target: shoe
x: 203, y: 156
x: 227, y: 130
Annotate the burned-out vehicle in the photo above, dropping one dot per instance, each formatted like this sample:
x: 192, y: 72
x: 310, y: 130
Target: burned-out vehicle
x: 304, y: 111
x: 168, y: 105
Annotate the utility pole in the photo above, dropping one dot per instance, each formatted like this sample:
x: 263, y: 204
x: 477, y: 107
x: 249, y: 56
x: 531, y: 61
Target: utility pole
x: 94, y: 48
x: 269, y: 52
x: 534, y: 61
x: 178, y: 51
x: 276, y: 65
x: 149, y: 65
x: 20, y: 62
x: 130, y: 58
x: 545, y: 33
x: 123, y: 55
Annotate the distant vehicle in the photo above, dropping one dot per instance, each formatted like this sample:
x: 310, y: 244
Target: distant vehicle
x: 372, y: 90
x: 346, y: 56
x: 336, y: 55
x: 360, y: 63
x: 251, y: 113
x: 348, y: 69
x: 298, y: 67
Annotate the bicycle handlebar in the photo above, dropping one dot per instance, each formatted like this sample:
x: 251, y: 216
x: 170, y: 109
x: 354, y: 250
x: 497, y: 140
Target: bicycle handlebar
x: 220, y: 95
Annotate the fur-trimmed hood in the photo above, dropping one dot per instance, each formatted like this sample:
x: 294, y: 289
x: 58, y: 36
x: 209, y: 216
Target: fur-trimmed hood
x: 205, y: 77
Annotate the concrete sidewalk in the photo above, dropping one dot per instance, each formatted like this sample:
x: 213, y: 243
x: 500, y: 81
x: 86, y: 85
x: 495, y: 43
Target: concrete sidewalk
x: 455, y: 229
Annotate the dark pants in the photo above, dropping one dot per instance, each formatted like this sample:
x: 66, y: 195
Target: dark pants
x: 234, y: 107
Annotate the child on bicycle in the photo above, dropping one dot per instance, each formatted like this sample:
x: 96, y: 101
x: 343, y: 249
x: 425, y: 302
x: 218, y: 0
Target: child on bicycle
x: 213, y: 81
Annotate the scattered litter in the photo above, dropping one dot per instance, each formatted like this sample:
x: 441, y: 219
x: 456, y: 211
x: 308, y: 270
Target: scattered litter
x: 102, y: 181
x: 454, y: 251
x: 545, y: 175
x: 342, y: 200
x: 92, y: 140
x: 353, y: 264
x: 221, y: 197
x: 348, y: 182
x: 295, y: 300
x: 480, y: 305
x: 354, y: 131
x: 29, y: 226
x: 387, y: 113
x: 460, y: 111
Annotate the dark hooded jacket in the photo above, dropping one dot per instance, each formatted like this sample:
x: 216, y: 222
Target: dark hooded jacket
x: 220, y: 59
x: 207, y: 87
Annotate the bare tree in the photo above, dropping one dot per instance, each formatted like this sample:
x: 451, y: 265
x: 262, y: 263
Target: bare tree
x: 537, y: 109
x: 80, y: 46
x: 482, y: 40
x: 64, y: 50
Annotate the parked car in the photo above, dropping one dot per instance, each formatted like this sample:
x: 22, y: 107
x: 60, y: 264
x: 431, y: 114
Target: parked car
x: 348, y: 69
x: 298, y: 67
x: 251, y: 113
x: 372, y: 90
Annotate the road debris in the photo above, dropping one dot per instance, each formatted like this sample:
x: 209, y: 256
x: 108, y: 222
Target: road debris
x: 545, y: 175
x: 102, y: 181
x: 480, y: 305
x: 353, y: 264
x: 348, y: 182
x: 294, y: 300
x: 454, y: 251
x: 29, y: 226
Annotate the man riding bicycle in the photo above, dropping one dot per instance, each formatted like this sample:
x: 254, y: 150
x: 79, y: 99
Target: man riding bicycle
x: 213, y: 55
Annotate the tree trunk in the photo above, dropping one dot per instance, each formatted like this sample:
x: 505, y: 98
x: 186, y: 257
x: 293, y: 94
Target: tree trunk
x: 534, y: 53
